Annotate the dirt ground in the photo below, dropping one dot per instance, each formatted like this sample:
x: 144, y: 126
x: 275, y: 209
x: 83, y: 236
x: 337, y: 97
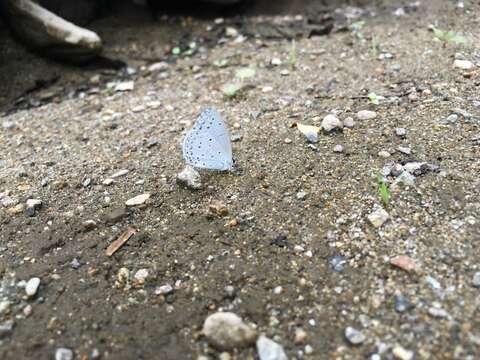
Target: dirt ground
x: 296, y: 249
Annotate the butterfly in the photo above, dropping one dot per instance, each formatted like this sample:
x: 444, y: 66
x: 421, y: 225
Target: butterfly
x: 207, y: 145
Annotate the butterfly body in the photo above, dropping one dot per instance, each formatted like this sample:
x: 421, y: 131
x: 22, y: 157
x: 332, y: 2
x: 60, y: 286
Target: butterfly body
x: 207, y: 145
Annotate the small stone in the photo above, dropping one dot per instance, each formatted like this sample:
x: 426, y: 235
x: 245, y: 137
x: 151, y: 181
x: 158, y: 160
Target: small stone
x: 354, y: 336
x: 27, y: 310
x: 284, y: 72
x: 397, y: 169
x: 137, y: 200
x: 402, y: 303
x: 276, y: 62
x: 287, y: 141
x: 330, y: 123
x: 451, y: 119
x: 301, y: 336
x: 227, y: 331
x: 141, y: 274
x: 63, y: 354
x: 405, y: 150
x: 338, y: 149
x: 89, y: 225
x: 31, y: 287
x: 337, y: 263
x: 269, y: 350
x: 301, y: 195
x: 125, y: 86
x: 231, y: 32
x: 138, y: 109
x: 437, y: 312
x: 158, y: 66
x: 402, y: 354
x: 17, y: 209
x: 123, y: 275
x: 378, y: 217
x: 366, y: 115
x: 190, y: 178
x: 349, y: 122
x: 164, y: 289
x: 6, y: 328
x: 108, y: 181
x: 308, y: 349
x: 404, y: 178
x: 34, y: 204
x: 463, y: 64
x: 4, y: 306
x: 405, y: 263
x: 218, y: 208
x: 384, y: 154
x: 75, y: 264
x: 476, y: 280
x: 119, y: 173
x: 401, y: 132
x: 115, y: 215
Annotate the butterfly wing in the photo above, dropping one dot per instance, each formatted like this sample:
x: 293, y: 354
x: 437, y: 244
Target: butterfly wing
x: 207, y: 145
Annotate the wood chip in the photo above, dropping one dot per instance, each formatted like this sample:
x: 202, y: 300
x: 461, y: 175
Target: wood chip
x: 122, y: 239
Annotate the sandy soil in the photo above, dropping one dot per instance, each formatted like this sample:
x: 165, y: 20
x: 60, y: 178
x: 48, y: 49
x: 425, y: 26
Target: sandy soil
x: 294, y: 210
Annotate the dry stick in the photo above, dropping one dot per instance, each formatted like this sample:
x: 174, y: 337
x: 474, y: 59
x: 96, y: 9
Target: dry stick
x: 122, y: 239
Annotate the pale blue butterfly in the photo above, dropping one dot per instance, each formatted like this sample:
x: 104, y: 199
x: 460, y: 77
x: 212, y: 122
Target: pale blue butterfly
x: 207, y: 145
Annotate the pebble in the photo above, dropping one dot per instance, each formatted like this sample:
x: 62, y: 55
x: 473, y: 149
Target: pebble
x: 451, y: 119
x: 405, y: 263
x: 384, y: 154
x: 366, y: 115
x: 27, y: 310
x: 158, y: 66
x: 269, y: 350
x: 337, y: 263
x: 354, y: 336
x: 404, y: 178
x: 301, y: 195
x: 405, y: 150
x: 31, y: 287
x: 89, y: 225
x: 397, y: 169
x: 378, y: 217
x: 401, y: 132
x: 231, y: 32
x: 115, y: 215
x: 141, y: 274
x: 190, y: 178
x: 402, y: 354
x: 463, y: 64
x: 4, y: 306
x: 308, y: 349
x: 6, y: 328
x: 218, y: 208
x: 34, y: 204
x: 108, y: 181
x: 349, y: 122
x: 402, y: 303
x: 63, y: 354
x: 287, y: 141
x: 226, y: 330
x: 276, y: 62
x: 437, y: 312
x: 330, y: 123
x: 137, y: 200
x: 75, y: 264
x: 301, y: 336
x: 164, y: 289
x: 138, y: 109
x: 119, y: 173
x: 125, y: 86
x: 476, y: 280
x: 338, y: 149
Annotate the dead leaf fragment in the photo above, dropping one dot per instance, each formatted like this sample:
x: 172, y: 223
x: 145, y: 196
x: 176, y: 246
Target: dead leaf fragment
x: 122, y: 239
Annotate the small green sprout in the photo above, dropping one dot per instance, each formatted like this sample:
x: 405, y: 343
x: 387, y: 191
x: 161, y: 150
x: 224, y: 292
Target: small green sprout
x: 383, y: 190
x: 293, y: 54
x: 446, y: 37
x: 374, y: 98
x: 356, y: 29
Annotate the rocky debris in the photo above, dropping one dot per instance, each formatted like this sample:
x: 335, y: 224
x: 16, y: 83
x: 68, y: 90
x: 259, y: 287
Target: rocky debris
x: 63, y: 354
x: 48, y: 33
x: 463, y: 64
x: 115, y: 215
x: 330, y: 123
x: 218, y: 208
x: 120, y: 173
x: 31, y: 287
x: 405, y: 263
x: 338, y: 148
x: 301, y: 336
x: 366, y: 115
x: 400, y: 132
x: 354, y: 336
x: 384, y: 154
x: 405, y: 150
x: 378, y: 217
x: 476, y: 280
x: 437, y: 312
x: 164, y: 289
x: 401, y: 353
x: 124, y: 86
x: 6, y: 328
x: 141, y: 274
x: 190, y: 178
x: 32, y: 205
x: 89, y: 225
x: 310, y: 132
x: 269, y: 350
x: 137, y: 200
x: 402, y: 303
x: 301, y: 195
x: 226, y: 331
x: 349, y: 122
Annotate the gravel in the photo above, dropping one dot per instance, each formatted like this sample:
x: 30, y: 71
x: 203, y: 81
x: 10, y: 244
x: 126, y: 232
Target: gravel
x: 269, y: 350
x: 227, y: 331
